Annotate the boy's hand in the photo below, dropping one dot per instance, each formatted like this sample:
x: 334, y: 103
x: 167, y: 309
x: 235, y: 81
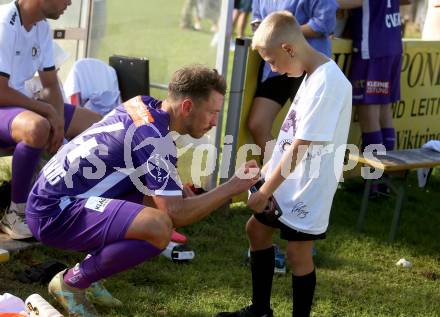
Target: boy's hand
x: 247, y: 175
x: 258, y: 202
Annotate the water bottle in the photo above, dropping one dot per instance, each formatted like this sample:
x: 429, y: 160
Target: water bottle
x: 4, y: 255
x: 37, y: 306
x: 280, y: 261
x: 178, y: 252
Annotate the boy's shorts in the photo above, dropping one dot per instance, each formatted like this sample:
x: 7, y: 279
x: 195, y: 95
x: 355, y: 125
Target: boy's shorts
x: 287, y: 233
x: 85, y: 225
x: 278, y: 88
x: 8, y: 114
x: 243, y: 5
x: 375, y: 81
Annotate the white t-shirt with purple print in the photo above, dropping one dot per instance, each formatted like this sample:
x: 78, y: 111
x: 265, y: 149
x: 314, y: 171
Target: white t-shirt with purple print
x: 321, y: 113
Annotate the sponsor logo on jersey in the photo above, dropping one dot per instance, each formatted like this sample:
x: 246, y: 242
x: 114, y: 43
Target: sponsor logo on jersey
x: 158, y: 167
x: 13, y: 19
x: 376, y: 87
x: 97, y: 203
x: 138, y: 111
x: 35, y: 51
x: 393, y: 20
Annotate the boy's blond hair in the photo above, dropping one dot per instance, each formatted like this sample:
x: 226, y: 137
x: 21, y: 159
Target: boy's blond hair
x: 277, y: 28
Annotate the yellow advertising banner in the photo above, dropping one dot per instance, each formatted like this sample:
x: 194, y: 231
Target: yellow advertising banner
x: 417, y: 114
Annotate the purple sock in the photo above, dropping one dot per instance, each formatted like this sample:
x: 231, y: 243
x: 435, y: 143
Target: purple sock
x: 389, y: 138
x: 24, y: 162
x: 112, y: 259
x: 368, y: 138
x: 73, y: 277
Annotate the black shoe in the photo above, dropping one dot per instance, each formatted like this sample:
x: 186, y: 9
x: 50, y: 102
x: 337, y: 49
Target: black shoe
x: 245, y: 312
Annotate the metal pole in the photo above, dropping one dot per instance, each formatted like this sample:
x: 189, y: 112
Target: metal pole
x: 227, y: 168
x: 79, y: 26
x: 88, y: 26
x: 364, y: 205
x: 159, y: 86
x: 225, y: 31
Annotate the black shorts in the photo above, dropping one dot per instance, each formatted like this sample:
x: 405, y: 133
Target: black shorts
x: 287, y: 233
x: 278, y: 88
x: 243, y: 5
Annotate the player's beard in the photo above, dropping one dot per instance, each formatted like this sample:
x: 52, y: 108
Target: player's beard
x: 197, y: 134
x: 193, y: 129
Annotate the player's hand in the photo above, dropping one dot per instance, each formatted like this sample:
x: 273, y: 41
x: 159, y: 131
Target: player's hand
x: 56, y: 137
x: 246, y: 176
x: 258, y: 202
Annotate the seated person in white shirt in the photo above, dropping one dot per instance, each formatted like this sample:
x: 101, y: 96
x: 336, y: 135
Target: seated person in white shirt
x: 28, y: 125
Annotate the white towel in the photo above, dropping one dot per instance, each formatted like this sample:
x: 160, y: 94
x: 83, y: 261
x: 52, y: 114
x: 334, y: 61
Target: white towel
x: 103, y: 102
x: 10, y: 303
x: 432, y: 145
x: 422, y: 173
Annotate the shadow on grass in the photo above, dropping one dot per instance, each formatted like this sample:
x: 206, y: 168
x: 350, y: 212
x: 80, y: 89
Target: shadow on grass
x: 419, y: 223
x: 362, y: 295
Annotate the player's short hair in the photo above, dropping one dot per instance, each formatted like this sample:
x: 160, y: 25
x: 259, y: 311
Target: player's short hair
x: 277, y: 28
x: 197, y: 82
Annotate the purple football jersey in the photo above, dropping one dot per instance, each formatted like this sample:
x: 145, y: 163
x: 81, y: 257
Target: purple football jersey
x: 129, y: 150
x: 376, y: 29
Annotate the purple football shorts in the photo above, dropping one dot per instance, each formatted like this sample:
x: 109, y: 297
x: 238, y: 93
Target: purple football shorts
x: 8, y: 114
x: 86, y: 224
x: 375, y: 81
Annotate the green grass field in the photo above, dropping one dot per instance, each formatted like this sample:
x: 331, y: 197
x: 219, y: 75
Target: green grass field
x: 149, y: 29
x: 357, y: 275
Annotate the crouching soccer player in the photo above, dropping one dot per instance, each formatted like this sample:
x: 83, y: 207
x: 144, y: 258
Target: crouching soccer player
x: 317, y: 123
x: 94, y: 195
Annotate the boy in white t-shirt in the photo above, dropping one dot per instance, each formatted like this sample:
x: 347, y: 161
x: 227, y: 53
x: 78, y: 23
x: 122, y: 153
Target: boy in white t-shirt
x: 305, y: 167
